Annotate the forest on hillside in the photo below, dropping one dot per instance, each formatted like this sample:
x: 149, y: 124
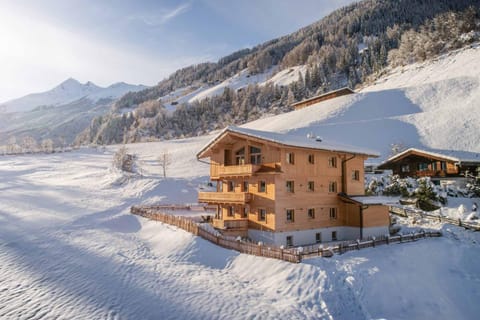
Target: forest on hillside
x: 347, y: 48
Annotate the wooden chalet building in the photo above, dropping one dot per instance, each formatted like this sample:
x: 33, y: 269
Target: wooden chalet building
x: 326, y: 96
x: 421, y: 163
x: 289, y: 190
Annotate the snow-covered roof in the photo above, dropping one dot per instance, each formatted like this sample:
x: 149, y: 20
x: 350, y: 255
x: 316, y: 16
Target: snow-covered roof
x: 451, y: 155
x: 376, y: 200
x: 290, y: 141
x: 344, y: 90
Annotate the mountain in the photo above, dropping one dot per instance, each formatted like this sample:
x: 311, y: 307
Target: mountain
x: 66, y: 92
x: 59, y: 114
x: 353, y: 46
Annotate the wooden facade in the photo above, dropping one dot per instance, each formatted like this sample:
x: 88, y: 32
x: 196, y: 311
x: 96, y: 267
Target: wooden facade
x: 282, y: 188
x: 421, y: 163
x: 322, y: 97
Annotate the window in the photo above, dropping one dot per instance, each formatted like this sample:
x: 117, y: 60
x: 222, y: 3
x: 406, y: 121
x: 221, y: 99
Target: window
x: 290, y: 186
x: 434, y: 166
x: 332, y: 162
x: 255, y: 155
x: 289, y: 241
x: 333, y: 213
x: 240, y: 156
x: 318, y: 237
x: 311, y: 213
x: 311, y: 159
x: 262, y: 186
x: 290, y: 157
x: 422, y: 167
x: 356, y: 175
x: 231, y: 211
x: 245, y: 212
x: 332, y: 186
x: 290, y: 215
x: 405, y: 168
x: 262, y: 215
x: 334, y: 235
x: 220, y: 186
x: 245, y: 186
x: 231, y: 186
x: 443, y: 166
x: 310, y: 186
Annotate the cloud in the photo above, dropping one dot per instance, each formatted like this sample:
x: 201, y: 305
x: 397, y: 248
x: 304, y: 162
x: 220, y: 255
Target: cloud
x: 163, y: 17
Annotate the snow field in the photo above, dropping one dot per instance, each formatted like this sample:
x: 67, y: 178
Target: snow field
x: 69, y: 249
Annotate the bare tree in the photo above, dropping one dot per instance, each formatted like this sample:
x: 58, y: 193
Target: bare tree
x: 29, y: 144
x: 165, y: 159
x: 47, y: 145
x: 123, y: 160
x: 12, y: 146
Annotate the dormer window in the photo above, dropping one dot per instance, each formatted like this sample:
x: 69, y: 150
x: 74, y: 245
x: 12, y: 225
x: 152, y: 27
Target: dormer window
x: 255, y: 155
x: 240, y: 157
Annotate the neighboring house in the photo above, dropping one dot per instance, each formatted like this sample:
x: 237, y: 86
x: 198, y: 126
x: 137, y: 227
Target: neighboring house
x: 421, y: 163
x: 289, y: 190
x: 322, y: 97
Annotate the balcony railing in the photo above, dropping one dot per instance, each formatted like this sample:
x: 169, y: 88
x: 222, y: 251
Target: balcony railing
x: 238, y: 224
x: 430, y: 173
x: 224, y: 197
x: 242, y: 170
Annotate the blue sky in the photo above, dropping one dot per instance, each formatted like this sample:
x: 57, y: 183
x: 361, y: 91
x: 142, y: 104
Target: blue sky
x: 45, y: 42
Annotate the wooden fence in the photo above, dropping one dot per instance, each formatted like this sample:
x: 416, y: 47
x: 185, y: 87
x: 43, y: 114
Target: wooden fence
x: 406, y: 212
x: 290, y: 255
x: 294, y: 255
x: 320, y: 250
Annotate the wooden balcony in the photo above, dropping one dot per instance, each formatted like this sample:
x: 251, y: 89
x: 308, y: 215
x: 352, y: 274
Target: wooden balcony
x: 243, y: 170
x: 237, y: 224
x: 224, y: 197
x: 430, y: 173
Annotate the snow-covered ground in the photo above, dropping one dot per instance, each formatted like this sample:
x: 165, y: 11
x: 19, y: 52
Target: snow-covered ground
x: 69, y: 249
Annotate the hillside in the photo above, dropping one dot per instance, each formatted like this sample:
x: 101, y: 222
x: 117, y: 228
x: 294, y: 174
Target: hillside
x: 350, y: 47
x: 428, y: 105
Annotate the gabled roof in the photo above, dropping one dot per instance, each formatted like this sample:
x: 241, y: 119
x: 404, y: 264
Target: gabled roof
x: 450, y: 155
x: 286, y: 140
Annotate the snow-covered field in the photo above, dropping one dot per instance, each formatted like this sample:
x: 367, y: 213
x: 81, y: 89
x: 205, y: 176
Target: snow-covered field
x: 69, y: 249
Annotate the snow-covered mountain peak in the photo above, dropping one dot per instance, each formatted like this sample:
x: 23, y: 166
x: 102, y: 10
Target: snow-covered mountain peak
x: 66, y: 92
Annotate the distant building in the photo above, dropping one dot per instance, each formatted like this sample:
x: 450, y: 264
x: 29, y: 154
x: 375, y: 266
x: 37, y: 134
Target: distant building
x: 421, y: 163
x: 322, y: 97
x: 289, y: 190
